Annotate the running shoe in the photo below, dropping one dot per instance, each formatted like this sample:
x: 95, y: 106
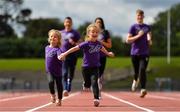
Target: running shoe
x: 58, y: 103
x: 134, y: 85
x: 96, y: 102
x: 65, y: 93
x: 143, y: 93
x: 53, y: 98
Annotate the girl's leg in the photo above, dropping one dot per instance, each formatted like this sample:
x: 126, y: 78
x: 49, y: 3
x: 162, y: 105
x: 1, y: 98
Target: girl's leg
x: 59, y: 87
x: 94, y: 78
x: 51, y: 87
x: 87, y: 77
x: 51, y: 83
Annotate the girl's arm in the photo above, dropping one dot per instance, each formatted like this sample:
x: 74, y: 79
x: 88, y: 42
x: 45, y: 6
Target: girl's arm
x: 63, y: 55
x: 131, y: 39
x: 107, y: 44
x: 110, y: 54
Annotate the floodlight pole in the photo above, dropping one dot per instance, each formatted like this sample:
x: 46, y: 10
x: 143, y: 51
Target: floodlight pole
x: 169, y: 37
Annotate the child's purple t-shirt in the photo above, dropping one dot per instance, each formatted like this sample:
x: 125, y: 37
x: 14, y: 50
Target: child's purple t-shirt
x: 53, y: 65
x: 91, y: 51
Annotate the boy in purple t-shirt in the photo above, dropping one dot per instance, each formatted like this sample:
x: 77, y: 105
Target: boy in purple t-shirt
x: 70, y: 38
x: 139, y: 37
x: 90, y: 67
x: 53, y: 65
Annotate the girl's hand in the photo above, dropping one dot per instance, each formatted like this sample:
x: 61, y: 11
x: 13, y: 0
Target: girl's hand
x: 62, y: 56
x: 111, y: 54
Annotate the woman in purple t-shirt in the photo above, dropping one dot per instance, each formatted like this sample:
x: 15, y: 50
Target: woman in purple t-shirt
x: 91, y: 59
x: 139, y: 37
x: 53, y: 65
x: 105, y: 40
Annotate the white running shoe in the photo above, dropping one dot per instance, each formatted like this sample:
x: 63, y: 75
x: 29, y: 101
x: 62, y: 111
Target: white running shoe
x: 134, y: 85
x: 58, y: 103
x: 53, y: 98
x: 85, y: 89
x: 96, y: 102
x: 143, y: 93
x: 65, y: 93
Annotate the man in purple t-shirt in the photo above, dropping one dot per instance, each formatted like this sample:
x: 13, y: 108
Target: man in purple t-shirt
x: 70, y: 38
x: 139, y: 37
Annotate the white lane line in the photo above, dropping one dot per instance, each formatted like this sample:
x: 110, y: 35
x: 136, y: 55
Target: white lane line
x: 129, y: 103
x: 163, y: 97
x: 20, y: 97
x: 42, y: 106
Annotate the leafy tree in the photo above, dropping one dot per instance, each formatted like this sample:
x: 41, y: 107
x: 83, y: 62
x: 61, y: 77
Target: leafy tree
x: 38, y: 28
x: 82, y: 29
x: 159, y: 30
x: 10, y: 14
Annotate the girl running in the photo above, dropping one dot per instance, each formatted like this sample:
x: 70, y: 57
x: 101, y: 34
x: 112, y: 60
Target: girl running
x: 90, y: 68
x: 53, y: 65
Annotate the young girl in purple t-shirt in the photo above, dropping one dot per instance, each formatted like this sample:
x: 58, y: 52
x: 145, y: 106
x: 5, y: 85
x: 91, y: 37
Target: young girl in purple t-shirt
x: 53, y: 65
x: 91, y: 59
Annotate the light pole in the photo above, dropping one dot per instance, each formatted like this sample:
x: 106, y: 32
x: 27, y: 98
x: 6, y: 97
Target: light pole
x: 169, y: 36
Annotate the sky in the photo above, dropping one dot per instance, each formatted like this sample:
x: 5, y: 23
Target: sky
x: 118, y: 15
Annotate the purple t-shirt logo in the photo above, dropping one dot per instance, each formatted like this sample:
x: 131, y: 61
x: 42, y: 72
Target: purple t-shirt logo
x: 94, y: 48
x: 50, y: 53
x: 91, y: 51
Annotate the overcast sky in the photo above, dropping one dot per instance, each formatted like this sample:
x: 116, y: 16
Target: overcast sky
x: 118, y: 15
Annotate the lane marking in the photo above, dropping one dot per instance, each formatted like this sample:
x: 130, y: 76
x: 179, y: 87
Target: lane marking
x: 163, y: 97
x: 20, y: 97
x: 129, y: 103
x: 42, y: 106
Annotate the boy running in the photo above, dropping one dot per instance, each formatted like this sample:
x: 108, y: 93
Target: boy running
x: 139, y: 37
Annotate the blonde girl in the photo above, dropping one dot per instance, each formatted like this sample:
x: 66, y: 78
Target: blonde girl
x: 90, y: 68
x: 53, y: 65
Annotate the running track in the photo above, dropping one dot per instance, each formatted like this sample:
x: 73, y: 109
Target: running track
x: 83, y: 101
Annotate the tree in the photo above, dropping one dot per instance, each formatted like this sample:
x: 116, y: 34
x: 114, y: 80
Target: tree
x: 38, y: 28
x: 159, y: 30
x: 82, y: 29
x: 10, y: 14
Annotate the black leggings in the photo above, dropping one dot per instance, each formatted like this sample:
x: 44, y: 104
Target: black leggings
x: 52, y: 79
x: 140, y: 63
x: 102, y: 66
x: 91, y: 75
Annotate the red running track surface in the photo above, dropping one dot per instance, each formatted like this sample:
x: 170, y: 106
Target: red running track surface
x: 83, y: 101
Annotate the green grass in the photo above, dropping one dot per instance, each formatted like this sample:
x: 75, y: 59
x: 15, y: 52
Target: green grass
x: 158, y: 68
x: 21, y: 64
x: 114, y: 63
